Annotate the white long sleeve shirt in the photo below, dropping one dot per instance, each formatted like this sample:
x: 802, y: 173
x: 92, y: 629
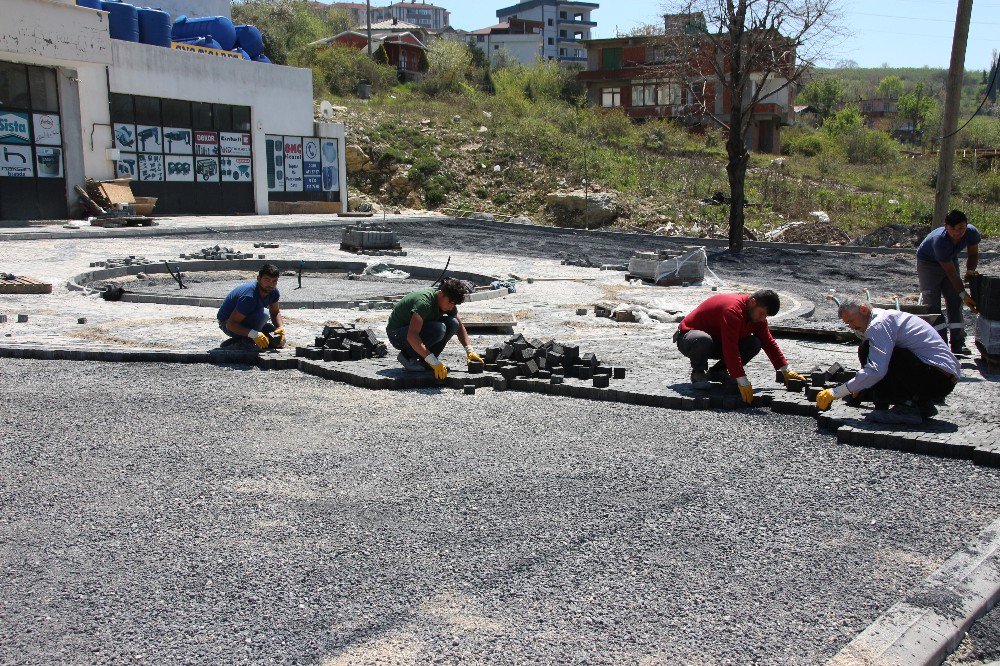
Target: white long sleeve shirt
x: 888, y: 329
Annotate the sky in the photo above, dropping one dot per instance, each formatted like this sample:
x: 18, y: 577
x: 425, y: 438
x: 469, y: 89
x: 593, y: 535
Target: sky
x: 900, y: 33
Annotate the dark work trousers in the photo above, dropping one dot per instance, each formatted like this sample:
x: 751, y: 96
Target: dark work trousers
x: 908, y: 378
x: 258, y: 321
x: 933, y: 285
x: 699, y: 346
x: 435, y: 334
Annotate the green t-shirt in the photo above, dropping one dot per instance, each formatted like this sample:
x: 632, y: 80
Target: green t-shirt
x: 422, y: 302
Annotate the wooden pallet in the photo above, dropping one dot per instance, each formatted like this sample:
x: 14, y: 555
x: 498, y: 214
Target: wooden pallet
x: 501, y: 323
x: 24, y: 285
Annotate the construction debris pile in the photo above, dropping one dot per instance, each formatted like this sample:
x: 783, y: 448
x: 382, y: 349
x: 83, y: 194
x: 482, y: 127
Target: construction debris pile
x: 371, y: 238
x: 520, y: 357
x: 219, y: 253
x: 344, y: 342
x: 118, y: 262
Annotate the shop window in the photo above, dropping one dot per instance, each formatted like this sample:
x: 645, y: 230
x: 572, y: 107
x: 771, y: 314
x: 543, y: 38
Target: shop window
x: 13, y: 86
x: 122, y: 108
x: 223, y: 117
x: 176, y: 113
x: 201, y: 113
x: 147, y: 111
x: 43, y: 88
x: 241, y: 118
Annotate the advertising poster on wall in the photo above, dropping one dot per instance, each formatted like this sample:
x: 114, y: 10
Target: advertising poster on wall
x: 237, y: 169
x: 234, y: 143
x: 179, y: 169
x: 312, y: 166
x: 178, y: 141
x: 125, y: 137
x: 48, y: 130
x: 14, y: 128
x: 274, y: 148
x: 15, y: 162
x: 206, y: 143
x: 206, y: 169
x: 127, y: 166
x: 331, y: 165
x: 48, y: 162
x: 149, y: 138
x: 150, y: 167
x: 293, y: 164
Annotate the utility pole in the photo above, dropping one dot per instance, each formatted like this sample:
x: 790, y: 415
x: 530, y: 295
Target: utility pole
x: 956, y: 76
x: 368, y: 15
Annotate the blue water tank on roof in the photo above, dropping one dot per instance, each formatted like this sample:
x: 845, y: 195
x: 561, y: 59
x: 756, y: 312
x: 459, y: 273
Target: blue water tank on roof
x: 123, y: 20
x: 206, y: 42
x: 154, y: 27
x: 262, y: 58
x: 249, y: 39
x: 219, y: 28
x: 243, y: 54
x: 92, y: 4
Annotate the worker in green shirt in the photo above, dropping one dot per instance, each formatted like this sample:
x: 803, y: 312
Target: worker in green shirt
x: 423, y: 322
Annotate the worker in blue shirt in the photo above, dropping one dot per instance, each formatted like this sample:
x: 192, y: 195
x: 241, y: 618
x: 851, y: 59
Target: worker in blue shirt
x: 937, y: 273
x: 251, y: 312
x: 905, y: 361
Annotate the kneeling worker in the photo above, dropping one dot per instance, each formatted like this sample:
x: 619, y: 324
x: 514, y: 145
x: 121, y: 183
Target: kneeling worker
x: 904, y: 359
x: 423, y: 322
x: 251, y: 311
x: 731, y: 327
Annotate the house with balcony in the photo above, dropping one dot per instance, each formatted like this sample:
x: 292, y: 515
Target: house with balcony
x: 404, y: 45
x: 519, y: 39
x: 566, y: 26
x: 427, y: 16
x: 639, y: 76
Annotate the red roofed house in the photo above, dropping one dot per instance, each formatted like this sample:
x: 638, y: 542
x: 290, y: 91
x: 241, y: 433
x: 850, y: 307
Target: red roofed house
x: 404, y: 49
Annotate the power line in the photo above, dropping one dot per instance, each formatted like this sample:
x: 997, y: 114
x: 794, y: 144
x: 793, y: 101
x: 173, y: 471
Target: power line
x: 918, y: 18
x: 911, y: 34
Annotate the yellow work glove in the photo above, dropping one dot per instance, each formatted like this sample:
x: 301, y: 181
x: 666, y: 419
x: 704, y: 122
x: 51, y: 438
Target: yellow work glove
x: 791, y: 374
x: 259, y: 339
x: 824, y: 399
x: 279, y: 333
x: 969, y: 303
x: 471, y: 356
x: 439, y: 368
x: 746, y: 390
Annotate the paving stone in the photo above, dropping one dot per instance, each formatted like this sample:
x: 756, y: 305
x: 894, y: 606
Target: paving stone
x: 601, y: 381
x: 470, y: 389
x: 22, y: 319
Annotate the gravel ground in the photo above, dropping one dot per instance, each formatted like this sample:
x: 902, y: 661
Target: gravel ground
x: 302, y: 521
x: 981, y: 645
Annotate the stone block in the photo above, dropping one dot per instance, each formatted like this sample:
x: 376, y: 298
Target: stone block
x: 328, y: 354
x: 499, y: 384
x: 584, y: 372
x: 476, y: 368
x: 22, y: 319
x: 81, y: 320
x: 581, y: 311
x: 602, y: 381
x: 3, y: 319
x: 817, y: 378
x: 470, y: 389
x: 602, y: 370
x: 795, y: 385
x: 812, y: 392
x: 555, y: 379
x: 779, y: 376
x: 618, y: 373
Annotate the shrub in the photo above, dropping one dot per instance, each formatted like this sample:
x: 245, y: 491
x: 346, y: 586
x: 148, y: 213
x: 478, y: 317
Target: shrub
x: 337, y: 70
x: 436, y: 189
x: 803, y: 142
x: 865, y: 146
x: 449, y: 63
x: 846, y: 120
x: 425, y: 164
x: 987, y: 189
x: 664, y: 136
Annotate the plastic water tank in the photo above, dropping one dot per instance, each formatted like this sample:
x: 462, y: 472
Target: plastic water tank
x: 154, y: 27
x: 206, y: 42
x: 262, y: 58
x: 123, y: 20
x: 219, y: 28
x: 92, y: 4
x: 243, y: 54
x: 249, y: 39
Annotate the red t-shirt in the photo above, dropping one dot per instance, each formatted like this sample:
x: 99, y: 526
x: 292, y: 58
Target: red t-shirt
x: 724, y: 317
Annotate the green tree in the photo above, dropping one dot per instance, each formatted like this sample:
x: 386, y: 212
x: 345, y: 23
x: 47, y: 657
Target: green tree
x: 289, y: 26
x: 890, y: 87
x: 916, y: 107
x: 338, y: 68
x: 824, y: 94
x: 450, y: 63
x: 844, y: 121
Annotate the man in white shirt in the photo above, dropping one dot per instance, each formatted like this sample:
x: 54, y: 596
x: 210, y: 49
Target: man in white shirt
x: 905, y: 360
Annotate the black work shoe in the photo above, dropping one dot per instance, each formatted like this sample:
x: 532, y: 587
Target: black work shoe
x: 898, y: 415
x: 700, y: 380
x: 927, y: 409
x: 717, y: 374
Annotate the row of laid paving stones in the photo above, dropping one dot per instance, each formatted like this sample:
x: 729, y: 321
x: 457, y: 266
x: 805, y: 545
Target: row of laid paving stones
x: 979, y: 443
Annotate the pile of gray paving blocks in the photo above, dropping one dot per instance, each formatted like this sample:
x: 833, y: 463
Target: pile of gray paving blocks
x: 985, y: 290
x: 371, y: 238
x: 804, y: 401
x: 219, y: 253
x: 118, y: 262
x: 523, y: 358
x: 344, y: 342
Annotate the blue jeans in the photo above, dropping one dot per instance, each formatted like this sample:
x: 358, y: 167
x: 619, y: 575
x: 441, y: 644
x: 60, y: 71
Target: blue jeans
x: 258, y: 321
x: 434, y: 334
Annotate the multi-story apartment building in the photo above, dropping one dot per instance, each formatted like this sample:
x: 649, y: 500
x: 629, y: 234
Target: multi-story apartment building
x: 516, y: 38
x: 566, y: 26
x: 427, y: 16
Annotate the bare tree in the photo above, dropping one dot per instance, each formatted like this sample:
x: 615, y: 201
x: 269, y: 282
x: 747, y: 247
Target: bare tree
x: 747, y: 51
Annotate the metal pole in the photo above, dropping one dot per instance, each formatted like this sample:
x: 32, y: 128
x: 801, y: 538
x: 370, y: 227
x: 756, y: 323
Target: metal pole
x: 956, y: 76
x: 368, y: 15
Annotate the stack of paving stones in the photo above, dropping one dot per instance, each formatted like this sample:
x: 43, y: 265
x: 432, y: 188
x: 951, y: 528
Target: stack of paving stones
x: 118, y: 262
x: 985, y: 290
x: 583, y: 262
x: 344, y: 342
x: 372, y: 239
x: 800, y: 397
x: 535, y: 359
x: 219, y: 253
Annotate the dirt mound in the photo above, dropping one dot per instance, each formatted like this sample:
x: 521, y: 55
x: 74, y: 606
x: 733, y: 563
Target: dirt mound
x: 894, y: 235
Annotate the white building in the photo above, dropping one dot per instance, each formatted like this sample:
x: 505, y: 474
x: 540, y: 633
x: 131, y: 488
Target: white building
x: 517, y: 38
x: 425, y: 15
x: 203, y: 132
x: 565, y: 25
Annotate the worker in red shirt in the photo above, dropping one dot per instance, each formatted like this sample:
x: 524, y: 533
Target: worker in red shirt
x: 731, y: 327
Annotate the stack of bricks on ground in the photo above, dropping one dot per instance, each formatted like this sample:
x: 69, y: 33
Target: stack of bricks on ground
x: 219, y: 253
x: 344, y: 342
x: 985, y: 291
x: 371, y: 239
x: 520, y: 357
x: 818, y: 379
x: 119, y: 262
